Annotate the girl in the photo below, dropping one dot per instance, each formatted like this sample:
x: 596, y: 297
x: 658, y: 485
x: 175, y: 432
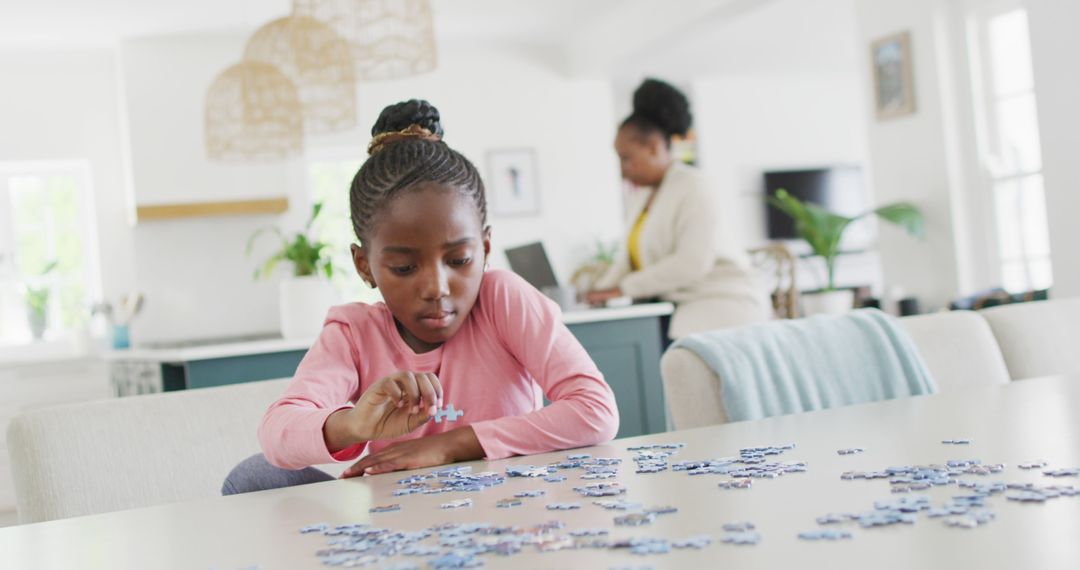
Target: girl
x: 681, y: 246
x: 449, y: 332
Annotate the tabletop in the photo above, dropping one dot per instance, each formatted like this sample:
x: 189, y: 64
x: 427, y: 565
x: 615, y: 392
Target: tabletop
x: 1015, y: 424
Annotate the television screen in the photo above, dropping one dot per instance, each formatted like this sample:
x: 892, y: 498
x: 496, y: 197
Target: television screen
x: 838, y: 189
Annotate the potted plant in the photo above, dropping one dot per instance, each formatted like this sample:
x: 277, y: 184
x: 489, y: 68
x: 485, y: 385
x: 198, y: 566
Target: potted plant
x: 823, y: 230
x: 307, y: 294
x: 37, y: 304
x: 594, y: 268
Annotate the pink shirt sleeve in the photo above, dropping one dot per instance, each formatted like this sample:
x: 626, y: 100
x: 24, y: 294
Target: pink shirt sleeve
x: 582, y: 410
x: 291, y: 432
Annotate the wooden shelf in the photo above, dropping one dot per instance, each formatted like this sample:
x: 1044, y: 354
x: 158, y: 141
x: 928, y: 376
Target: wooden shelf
x: 206, y: 209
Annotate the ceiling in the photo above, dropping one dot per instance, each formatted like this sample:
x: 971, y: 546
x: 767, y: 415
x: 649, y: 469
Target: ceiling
x: 586, y: 37
x: 59, y: 23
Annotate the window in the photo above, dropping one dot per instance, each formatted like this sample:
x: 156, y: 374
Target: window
x: 46, y: 219
x: 1009, y: 147
x: 329, y: 180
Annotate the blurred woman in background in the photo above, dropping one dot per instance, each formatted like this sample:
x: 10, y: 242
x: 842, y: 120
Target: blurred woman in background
x: 682, y: 245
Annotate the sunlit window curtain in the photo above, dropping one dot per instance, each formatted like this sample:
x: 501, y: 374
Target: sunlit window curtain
x: 329, y: 180
x: 48, y: 248
x: 1010, y: 148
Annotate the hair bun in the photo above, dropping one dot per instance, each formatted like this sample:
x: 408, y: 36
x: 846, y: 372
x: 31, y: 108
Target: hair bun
x: 663, y: 105
x: 400, y: 116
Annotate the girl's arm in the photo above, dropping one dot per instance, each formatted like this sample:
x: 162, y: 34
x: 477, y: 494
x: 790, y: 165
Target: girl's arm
x: 291, y: 431
x: 582, y: 410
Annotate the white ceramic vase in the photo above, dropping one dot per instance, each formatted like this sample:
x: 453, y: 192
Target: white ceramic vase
x: 828, y: 302
x: 303, y: 302
x: 38, y: 322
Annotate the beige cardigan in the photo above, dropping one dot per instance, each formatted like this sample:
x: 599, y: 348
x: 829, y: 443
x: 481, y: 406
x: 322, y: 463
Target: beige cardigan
x: 689, y: 252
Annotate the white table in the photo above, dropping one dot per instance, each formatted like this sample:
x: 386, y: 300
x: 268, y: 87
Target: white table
x: 1020, y: 422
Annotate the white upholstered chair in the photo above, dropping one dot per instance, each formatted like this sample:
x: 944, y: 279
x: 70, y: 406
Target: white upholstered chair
x: 139, y: 451
x: 958, y: 348
x: 1038, y: 338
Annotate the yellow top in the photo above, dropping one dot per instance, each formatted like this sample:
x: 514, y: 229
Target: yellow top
x: 635, y: 238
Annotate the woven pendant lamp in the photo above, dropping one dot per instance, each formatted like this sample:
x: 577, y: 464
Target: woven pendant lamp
x: 252, y: 111
x: 318, y: 62
x: 390, y: 39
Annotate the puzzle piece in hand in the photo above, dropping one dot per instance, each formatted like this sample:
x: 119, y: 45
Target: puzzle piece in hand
x: 448, y: 413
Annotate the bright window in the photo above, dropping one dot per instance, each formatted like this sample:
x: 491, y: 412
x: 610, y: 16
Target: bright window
x: 1009, y: 147
x: 46, y: 220
x: 329, y: 180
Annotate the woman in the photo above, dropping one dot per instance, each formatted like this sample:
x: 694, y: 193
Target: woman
x: 681, y: 246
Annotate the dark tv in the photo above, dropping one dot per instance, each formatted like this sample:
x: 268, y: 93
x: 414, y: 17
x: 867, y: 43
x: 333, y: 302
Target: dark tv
x: 838, y: 189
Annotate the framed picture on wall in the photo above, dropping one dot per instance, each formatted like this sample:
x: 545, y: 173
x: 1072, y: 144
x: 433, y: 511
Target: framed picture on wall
x: 511, y: 184
x: 894, y: 88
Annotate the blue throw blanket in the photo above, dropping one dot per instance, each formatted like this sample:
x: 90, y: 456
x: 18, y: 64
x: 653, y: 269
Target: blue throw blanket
x: 785, y: 367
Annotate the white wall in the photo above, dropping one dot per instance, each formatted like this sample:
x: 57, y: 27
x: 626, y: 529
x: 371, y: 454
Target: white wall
x: 931, y: 156
x: 749, y: 124
x: 1054, y: 46
x: 908, y: 157
x: 65, y: 105
x: 194, y: 272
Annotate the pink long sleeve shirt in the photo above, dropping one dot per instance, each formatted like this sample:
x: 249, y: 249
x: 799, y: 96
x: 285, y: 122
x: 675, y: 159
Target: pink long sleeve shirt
x: 511, y: 350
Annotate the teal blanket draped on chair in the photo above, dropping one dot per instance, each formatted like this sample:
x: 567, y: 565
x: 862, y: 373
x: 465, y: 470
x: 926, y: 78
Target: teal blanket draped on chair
x: 785, y: 367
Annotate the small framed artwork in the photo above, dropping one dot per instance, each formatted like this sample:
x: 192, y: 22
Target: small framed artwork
x: 511, y: 184
x: 894, y: 88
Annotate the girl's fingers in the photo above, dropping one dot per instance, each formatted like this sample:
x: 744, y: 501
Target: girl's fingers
x: 427, y: 392
x: 412, y: 392
x: 393, y: 390
x: 438, y: 389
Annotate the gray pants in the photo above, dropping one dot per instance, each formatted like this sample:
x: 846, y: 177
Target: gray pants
x: 256, y: 474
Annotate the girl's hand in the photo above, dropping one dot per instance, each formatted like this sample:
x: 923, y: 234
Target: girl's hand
x: 458, y: 444
x: 395, y: 406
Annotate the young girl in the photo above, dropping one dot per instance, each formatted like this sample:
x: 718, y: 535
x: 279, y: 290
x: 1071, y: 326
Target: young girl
x: 449, y: 333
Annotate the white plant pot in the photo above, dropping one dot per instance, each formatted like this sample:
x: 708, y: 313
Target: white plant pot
x: 828, y: 302
x: 303, y: 302
x: 38, y: 322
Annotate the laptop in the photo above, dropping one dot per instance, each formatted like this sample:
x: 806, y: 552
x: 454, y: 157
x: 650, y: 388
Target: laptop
x: 530, y: 261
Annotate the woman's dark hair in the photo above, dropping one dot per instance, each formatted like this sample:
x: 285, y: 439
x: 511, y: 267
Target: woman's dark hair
x: 660, y: 108
x: 407, y: 160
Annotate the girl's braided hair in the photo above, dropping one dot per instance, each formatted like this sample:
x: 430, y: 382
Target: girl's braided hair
x: 407, y: 150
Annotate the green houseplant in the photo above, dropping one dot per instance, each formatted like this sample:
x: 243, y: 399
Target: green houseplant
x: 305, y: 296
x: 37, y: 303
x: 823, y: 229
x: 308, y: 256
